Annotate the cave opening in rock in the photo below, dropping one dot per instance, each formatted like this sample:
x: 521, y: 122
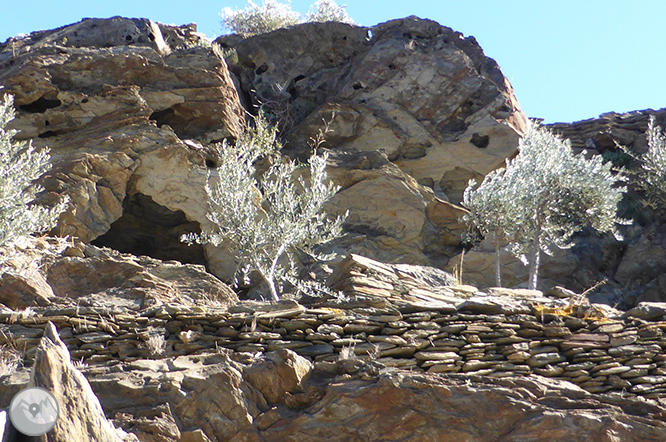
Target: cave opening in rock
x: 40, y: 105
x: 148, y: 228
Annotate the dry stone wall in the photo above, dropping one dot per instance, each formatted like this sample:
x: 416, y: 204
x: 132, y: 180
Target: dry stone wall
x: 479, y: 336
x: 610, y: 129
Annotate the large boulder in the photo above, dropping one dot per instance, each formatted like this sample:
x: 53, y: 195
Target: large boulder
x: 425, y: 95
x: 51, y: 270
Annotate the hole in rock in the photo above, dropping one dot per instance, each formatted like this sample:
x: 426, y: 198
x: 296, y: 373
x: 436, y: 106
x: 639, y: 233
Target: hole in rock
x: 480, y: 141
x: 162, y: 117
x: 261, y: 69
x: 40, y: 105
x: 48, y: 134
x: 148, y: 228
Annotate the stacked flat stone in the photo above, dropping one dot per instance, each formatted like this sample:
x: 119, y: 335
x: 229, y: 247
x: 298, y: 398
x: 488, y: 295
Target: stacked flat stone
x: 599, y: 354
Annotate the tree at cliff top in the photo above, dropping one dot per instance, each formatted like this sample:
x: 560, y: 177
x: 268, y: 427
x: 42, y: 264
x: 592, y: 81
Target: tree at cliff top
x: 20, y: 166
x: 543, y: 197
x: 652, y: 179
x: 271, y: 15
x: 265, y: 218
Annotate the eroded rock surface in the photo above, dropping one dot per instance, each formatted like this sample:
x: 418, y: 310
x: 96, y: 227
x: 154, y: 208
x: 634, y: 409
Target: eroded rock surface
x: 425, y: 95
x: 114, y: 103
x: 62, y: 272
x: 81, y: 416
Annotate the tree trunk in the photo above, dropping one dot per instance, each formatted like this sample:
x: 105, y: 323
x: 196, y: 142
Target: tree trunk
x: 498, y: 275
x: 271, y: 284
x: 534, y: 258
x: 274, y: 293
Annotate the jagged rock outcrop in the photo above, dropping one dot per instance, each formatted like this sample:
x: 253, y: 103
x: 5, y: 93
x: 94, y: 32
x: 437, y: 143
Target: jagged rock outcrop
x: 81, y: 415
x: 609, y: 130
x: 407, y: 93
x: 422, y: 93
x: 114, y: 104
x: 128, y: 108
x: 51, y: 271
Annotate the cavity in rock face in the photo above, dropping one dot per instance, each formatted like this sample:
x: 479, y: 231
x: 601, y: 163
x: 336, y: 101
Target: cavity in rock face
x: 147, y: 228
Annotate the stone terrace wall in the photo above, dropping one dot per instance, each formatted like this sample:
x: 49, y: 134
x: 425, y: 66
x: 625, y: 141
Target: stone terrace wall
x: 480, y: 336
x: 602, y: 133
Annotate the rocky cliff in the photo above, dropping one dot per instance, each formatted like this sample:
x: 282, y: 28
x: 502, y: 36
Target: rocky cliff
x: 163, y: 348
x: 440, y: 362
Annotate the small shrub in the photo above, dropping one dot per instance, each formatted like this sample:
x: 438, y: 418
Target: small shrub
x: 10, y: 360
x: 254, y: 19
x: 230, y: 56
x: 271, y: 15
x: 155, y: 343
x: 269, y: 217
x: 328, y: 10
x: 20, y: 165
x: 653, y: 176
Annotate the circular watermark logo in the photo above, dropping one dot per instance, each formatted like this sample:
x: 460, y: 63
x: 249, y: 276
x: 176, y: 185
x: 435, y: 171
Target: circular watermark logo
x: 34, y: 411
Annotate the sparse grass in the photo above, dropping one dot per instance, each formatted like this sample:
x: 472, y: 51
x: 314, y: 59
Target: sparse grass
x: 375, y: 353
x: 347, y: 352
x: 10, y: 359
x: 155, y: 343
x: 80, y: 364
x: 458, y: 269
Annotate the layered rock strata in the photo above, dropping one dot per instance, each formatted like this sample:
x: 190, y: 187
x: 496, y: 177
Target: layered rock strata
x: 443, y: 329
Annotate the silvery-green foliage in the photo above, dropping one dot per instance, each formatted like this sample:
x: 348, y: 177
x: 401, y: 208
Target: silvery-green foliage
x: 254, y: 19
x: 271, y: 15
x: 654, y: 167
x: 328, y: 10
x: 20, y: 165
x: 268, y: 218
x: 544, y: 196
x: 489, y: 211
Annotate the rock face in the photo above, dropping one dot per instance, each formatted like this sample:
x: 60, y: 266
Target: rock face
x: 426, y: 96
x: 114, y: 102
x: 391, y: 218
x: 81, y: 417
x: 407, y: 93
x: 129, y: 108
x: 62, y: 272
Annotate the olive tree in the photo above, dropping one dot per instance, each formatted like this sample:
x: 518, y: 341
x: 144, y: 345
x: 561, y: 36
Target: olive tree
x: 255, y: 19
x: 272, y: 15
x: 269, y: 217
x: 544, y: 196
x: 20, y: 165
x: 489, y: 213
x: 652, y: 178
x: 327, y: 10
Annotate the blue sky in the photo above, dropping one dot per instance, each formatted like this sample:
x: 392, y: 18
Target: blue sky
x: 567, y: 59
